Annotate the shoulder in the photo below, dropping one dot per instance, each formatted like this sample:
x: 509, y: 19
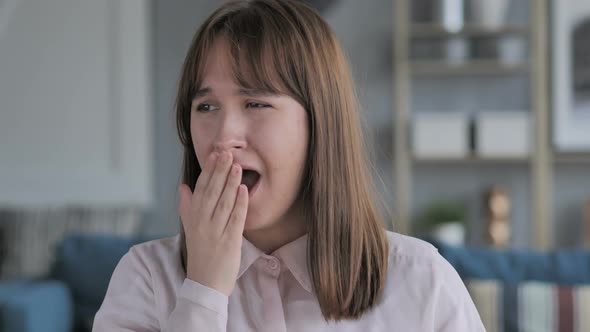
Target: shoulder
x: 157, y: 250
x: 150, y: 264
x: 146, y: 258
x: 138, y: 286
x: 410, y: 247
x: 417, y: 264
x: 159, y: 258
x: 418, y: 274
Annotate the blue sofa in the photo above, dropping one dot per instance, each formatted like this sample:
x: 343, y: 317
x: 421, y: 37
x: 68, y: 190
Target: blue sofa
x: 526, y: 290
x: 68, y: 298
x: 564, y: 267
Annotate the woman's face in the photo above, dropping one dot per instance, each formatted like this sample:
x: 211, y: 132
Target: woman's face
x: 266, y: 133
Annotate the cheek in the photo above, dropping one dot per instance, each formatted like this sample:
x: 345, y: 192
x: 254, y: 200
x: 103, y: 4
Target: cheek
x: 284, y: 146
x: 201, y: 140
x: 299, y: 136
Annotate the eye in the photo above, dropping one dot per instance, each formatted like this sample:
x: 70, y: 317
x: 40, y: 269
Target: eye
x: 256, y: 105
x: 204, y: 108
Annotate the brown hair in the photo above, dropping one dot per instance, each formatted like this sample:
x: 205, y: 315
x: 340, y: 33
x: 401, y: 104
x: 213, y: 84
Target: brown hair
x: 284, y: 46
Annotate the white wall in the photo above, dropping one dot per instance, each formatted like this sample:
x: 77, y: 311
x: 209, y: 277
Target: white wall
x: 75, y: 118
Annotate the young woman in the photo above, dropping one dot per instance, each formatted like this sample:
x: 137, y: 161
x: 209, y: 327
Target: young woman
x: 280, y: 231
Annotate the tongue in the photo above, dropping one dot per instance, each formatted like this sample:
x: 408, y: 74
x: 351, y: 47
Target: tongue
x: 249, y: 178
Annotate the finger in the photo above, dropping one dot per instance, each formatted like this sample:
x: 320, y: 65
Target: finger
x: 227, y: 200
x: 237, y: 220
x: 206, y: 172
x: 216, y: 184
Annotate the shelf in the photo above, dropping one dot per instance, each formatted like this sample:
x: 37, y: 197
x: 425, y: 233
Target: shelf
x: 558, y: 159
x: 433, y: 30
x: 431, y: 40
x: 572, y: 158
x: 469, y: 160
x: 474, y: 67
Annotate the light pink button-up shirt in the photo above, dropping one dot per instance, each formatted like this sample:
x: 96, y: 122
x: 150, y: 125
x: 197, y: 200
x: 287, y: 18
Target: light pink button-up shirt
x: 149, y: 292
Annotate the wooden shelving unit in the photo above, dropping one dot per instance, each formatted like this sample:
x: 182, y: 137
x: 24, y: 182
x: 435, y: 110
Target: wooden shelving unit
x: 540, y: 161
x: 475, y: 67
x: 572, y: 158
x: 428, y: 30
x: 469, y: 161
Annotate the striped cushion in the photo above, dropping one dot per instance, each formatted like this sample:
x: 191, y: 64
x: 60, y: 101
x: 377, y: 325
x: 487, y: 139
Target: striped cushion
x: 531, y: 306
x: 30, y: 235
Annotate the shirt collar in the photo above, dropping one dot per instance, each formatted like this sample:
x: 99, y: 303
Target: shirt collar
x: 293, y: 254
x: 249, y: 255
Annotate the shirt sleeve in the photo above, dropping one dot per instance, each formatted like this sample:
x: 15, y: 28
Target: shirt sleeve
x: 198, y: 306
x: 454, y: 308
x: 130, y: 303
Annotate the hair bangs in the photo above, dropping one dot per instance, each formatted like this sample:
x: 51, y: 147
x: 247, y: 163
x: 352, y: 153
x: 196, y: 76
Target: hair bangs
x: 263, y: 56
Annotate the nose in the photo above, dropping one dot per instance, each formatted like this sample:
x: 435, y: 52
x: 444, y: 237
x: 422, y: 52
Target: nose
x: 231, y: 133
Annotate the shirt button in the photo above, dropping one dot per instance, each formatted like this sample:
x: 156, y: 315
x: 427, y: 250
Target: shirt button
x: 273, y: 264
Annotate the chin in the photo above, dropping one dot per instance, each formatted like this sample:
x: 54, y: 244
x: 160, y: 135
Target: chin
x: 258, y: 220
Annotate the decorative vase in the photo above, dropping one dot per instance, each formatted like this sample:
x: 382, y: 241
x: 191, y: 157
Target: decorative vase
x: 457, y: 50
x: 451, y: 14
x: 512, y: 50
x: 452, y: 233
x: 489, y: 13
x: 498, y: 206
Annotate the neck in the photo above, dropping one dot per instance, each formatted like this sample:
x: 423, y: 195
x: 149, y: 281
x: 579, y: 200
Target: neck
x: 289, y: 228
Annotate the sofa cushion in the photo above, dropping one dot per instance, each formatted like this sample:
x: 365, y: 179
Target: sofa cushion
x: 2, y: 248
x: 531, y: 306
x: 35, y: 306
x: 567, y: 267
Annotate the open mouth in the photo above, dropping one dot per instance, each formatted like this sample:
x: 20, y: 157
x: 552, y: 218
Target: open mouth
x: 250, y: 178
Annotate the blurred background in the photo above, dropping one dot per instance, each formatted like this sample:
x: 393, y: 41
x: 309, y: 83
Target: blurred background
x: 478, y: 112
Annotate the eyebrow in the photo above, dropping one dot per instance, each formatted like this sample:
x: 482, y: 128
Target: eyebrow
x: 242, y: 92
